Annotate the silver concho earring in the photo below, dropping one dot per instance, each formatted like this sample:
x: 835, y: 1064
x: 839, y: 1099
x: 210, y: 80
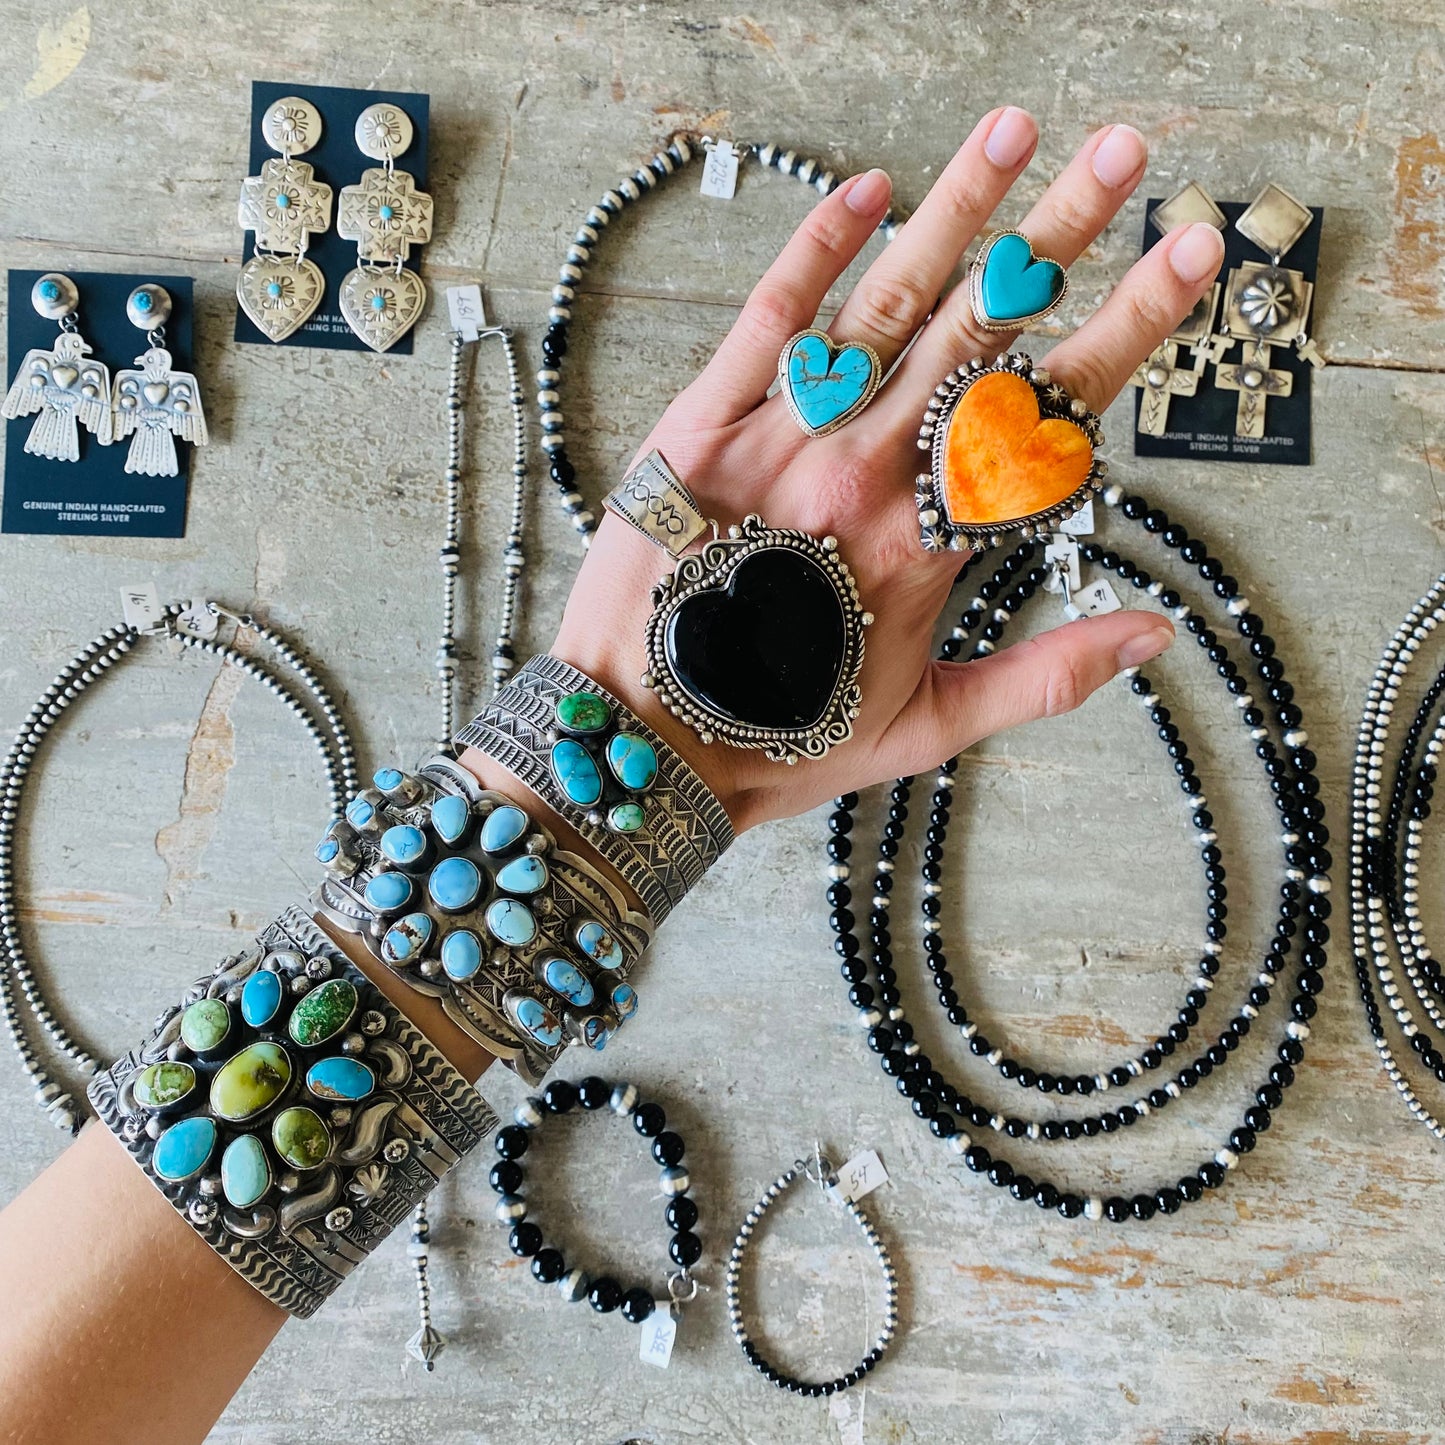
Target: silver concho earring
x: 386, y: 216
x: 66, y: 389
x: 279, y: 289
x: 156, y: 404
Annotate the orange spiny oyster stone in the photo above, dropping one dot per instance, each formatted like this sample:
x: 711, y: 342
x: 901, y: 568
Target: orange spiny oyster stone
x: 1002, y: 461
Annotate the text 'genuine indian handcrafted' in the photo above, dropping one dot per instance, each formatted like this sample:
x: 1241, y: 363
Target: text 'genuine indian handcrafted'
x: 758, y: 642
x: 1012, y: 452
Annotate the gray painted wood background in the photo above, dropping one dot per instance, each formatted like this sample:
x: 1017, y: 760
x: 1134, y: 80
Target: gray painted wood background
x: 1302, y: 1302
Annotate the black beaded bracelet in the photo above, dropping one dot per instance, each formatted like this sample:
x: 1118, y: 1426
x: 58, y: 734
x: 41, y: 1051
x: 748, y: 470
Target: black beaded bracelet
x: 602, y: 1292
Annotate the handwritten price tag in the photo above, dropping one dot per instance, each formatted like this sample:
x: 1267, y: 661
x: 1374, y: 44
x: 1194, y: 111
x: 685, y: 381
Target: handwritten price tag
x: 467, y: 310
x: 198, y: 620
x: 141, y: 605
x: 720, y: 172
x: 1096, y: 599
x: 1081, y: 523
x: 861, y: 1175
x: 659, y: 1332
x: 1062, y: 550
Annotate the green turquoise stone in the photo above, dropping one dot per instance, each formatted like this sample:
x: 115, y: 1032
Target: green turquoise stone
x: 185, y: 1149
x: 633, y: 761
x: 626, y: 818
x: 583, y: 712
x: 162, y: 1084
x: 576, y: 773
x: 245, y: 1171
x: 340, y: 1080
x: 323, y: 1013
x: 300, y: 1137
x: 249, y: 1082
x: 205, y: 1024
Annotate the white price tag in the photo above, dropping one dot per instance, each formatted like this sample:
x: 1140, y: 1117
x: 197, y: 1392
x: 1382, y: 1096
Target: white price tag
x: 467, y: 310
x: 198, y: 620
x: 861, y: 1175
x: 1096, y: 599
x: 1062, y: 550
x: 1081, y: 524
x: 659, y: 1332
x: 141, y: 605
x: 720, y: 171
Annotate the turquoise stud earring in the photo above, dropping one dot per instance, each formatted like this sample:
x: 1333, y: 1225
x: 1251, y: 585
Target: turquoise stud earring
x: 1009, y: 287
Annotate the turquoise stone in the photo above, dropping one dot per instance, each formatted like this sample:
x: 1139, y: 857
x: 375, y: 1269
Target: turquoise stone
x: 403, y: 844
x: 359, y: 812
x: 283, y: 201
x: 624, y: 1000
x: 340, y: 1080
x: 583, y: 712
x: 378, y: 302
x: 300, y: 1137
x: 455, y: 884
x: 323, y: 1013
x: 327, y: 849
x: 385, y: 212
x: 387, y: 779
x: 595, y: 1034
x: 260, y: 998
x: 184, y: 1149
x: 461, y: 954
x: 565, y: 978
x: 163, y: 1084
x: 825, y: 385
x: 245, y: 1171
x: 626, y: 817
x: 406, y: 940
x: 451, y: 816
x: 249, y: 1082
x: 539, y: 1021
x: 633, y: 761
x: 142, y: 301
x: 273, y: 288
x: 576, y: 772
x: 205, y: 1024
x: 599, y: 945
x: 523, y: 875
x: 503, y: 827
x: 1015, y: 286
x: 511, y: 922
x: 50, y: 291
x: 387, y: 892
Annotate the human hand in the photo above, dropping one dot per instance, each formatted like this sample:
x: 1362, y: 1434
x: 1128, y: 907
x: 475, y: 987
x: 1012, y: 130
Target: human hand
x: 740, y: 453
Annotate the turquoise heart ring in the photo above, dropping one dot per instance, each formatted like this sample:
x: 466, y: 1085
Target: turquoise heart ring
x: 1009, y: 287
x: 824, y: 384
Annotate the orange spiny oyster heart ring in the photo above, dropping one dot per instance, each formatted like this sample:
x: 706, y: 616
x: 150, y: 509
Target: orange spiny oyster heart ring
x: 1012, y: 451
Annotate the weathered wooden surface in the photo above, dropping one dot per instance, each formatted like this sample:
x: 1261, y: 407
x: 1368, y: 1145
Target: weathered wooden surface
x: 1302, y: 1302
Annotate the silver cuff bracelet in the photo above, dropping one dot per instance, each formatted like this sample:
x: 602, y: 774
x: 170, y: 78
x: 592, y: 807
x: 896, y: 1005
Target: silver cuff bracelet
x: 290, y: 1113
x: 599, y: 766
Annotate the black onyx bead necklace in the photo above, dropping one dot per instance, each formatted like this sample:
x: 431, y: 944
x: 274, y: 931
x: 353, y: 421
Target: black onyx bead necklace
x: 670, y: 160
x: 1301, y: 930
x: 601, y: 1291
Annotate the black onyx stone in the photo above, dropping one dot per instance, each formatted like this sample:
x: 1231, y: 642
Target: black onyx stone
x: 769, y: 649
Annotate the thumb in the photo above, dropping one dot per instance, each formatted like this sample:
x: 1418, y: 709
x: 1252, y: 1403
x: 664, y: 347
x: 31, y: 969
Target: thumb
x: 957, y: 703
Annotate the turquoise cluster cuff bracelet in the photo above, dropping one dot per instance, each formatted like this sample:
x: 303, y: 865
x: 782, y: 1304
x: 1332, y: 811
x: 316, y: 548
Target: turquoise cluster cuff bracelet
x: 599, y: 766
x: 290, y: 1113
x: 465, y: 898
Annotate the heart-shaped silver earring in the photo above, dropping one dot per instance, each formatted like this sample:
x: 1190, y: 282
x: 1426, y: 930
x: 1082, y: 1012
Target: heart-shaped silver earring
x: 386, y: 216
x: 68, y: 390
x: 155, y: 404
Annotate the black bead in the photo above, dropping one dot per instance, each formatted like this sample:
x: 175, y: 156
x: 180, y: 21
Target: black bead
x: 560, y: 1095
x: 648, y: 1120
x: 594, y: 1092
x: 667, y: 1148
x: 525, y: 1239
x: 605, y: 1295
x: 680, y: 1213
x: 512, y: 1142
x: 685, y: 1248
x: 506, y: 1177
x: 548, y: 1266
x: 1116, y: 1209
x: 637, y: 1305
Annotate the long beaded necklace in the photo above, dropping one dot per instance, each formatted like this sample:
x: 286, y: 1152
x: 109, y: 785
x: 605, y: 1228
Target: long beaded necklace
x: 1384, y: 867
x: 672, y: 158
x: 1303, y: 911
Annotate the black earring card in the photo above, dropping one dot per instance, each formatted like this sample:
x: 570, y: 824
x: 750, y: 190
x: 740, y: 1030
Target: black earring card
x: 94, y: 496
x: 338, y: 162
x: 1201, y: 427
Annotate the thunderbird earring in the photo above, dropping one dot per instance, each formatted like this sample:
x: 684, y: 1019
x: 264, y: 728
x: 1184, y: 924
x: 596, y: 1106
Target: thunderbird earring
x: 279, y: 289
x: 156, y: 404
x: 1266, y: 305
x: 66, y: 389
x: 826, y: 385
x: 386, y: 216
x: 1009, y: 288
x: 1011, y: 451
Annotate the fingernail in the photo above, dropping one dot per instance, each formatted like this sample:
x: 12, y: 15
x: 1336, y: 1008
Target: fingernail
x: 1144, y: 645
x: 869, y: 192
x: 1197, y: 253
x: 1011, y: 138
x: 1120, y: 155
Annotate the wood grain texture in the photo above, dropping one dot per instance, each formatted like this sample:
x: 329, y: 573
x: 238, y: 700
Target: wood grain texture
x: 1303, y: 1302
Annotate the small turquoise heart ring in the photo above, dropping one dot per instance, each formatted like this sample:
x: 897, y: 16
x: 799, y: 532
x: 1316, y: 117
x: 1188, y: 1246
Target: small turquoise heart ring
x: 827, y: 385
x: 1009, y: 287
